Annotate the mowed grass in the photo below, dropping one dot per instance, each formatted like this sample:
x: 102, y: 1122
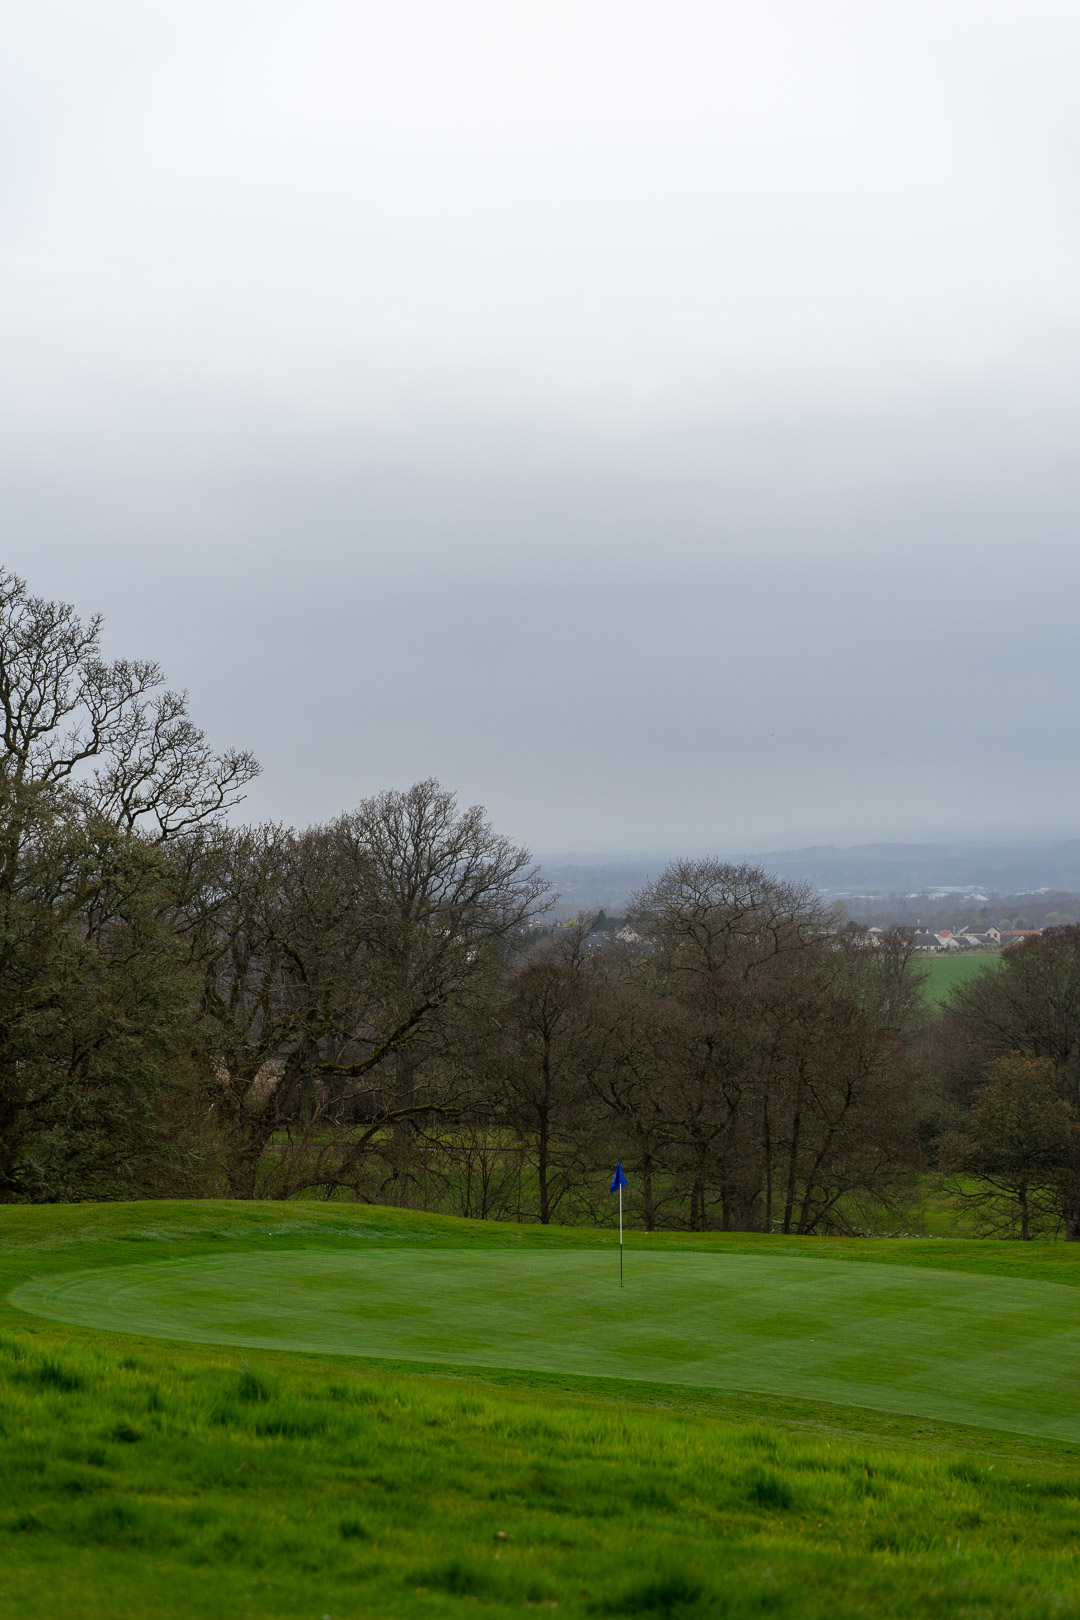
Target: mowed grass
x: 147, y: 1478
x: 964, y: 1348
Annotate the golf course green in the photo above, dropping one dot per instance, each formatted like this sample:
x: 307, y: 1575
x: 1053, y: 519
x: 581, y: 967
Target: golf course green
x: 309, y: 1410
x: 966, y: 1348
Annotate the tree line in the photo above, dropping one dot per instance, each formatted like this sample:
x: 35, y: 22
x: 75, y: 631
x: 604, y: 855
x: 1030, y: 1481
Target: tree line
x: 373, y: 1008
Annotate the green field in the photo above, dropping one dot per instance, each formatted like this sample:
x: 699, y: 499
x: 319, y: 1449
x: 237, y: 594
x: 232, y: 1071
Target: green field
x: 941, y: 974
x: 392, y: 1414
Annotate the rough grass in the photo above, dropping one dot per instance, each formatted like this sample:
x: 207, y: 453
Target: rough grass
x: 148, y: 1479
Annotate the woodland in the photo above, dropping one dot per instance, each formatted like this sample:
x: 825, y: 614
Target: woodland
x: 380, y: 1009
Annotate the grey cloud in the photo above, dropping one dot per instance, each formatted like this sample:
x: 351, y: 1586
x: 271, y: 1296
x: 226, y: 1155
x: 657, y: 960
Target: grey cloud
x: 667, y: 443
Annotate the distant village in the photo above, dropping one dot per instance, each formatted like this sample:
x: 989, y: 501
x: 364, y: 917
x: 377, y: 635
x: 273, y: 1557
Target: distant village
x: 962, y: 939
x: 968, y: 937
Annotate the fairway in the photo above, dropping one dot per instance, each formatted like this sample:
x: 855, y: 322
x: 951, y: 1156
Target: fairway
x: 992, y: 1351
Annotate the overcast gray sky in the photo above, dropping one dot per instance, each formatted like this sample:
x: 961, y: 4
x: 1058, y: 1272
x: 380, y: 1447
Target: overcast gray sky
x: 658, y: 420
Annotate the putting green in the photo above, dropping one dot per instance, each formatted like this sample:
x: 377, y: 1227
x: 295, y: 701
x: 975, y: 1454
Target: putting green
x: 947, y: 1345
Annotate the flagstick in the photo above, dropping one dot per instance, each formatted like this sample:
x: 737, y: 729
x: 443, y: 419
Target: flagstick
x: 620, y: 1237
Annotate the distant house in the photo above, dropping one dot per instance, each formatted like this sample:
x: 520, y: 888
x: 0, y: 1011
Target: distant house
x: 971, y: 940
x: 857, y: 934
x: 987, y: 939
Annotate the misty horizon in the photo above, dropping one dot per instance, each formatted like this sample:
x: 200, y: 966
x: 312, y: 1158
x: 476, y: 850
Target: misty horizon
x: 657, y: 425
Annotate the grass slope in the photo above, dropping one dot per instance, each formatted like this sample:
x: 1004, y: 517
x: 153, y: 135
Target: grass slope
x: 149, y: 1478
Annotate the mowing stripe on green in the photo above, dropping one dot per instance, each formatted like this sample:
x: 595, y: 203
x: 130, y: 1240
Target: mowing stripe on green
x: 997, y: 1352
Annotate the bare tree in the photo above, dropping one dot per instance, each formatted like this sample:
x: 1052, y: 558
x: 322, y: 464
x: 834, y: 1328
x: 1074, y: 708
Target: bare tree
x: 638, y: 1084
x: 127, y: 749
x: 842, y: 1126
x: 780, y: 1080
x: 885, y: 979
x: 706, y: 915
x: 478, y: 1167
x: 98, y: 1017
x: 97, y: 765
x: 547, y: 1048
x: 1017, y: 1147
x: 335, y: 963
x: 1029, y: 1001
x: 1027, y: 1005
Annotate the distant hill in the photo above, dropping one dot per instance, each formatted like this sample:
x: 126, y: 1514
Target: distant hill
x: 1005, y: 868
x: 592, y: 882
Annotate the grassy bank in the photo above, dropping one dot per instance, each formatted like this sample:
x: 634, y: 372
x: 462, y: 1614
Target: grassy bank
x: 145, y: 1477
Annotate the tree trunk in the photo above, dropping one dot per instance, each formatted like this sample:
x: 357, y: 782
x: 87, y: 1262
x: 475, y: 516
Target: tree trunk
x: 793, y: 1158
x: 766, y: 1132
x: 243, y: 1175
x: 543, y: 1160
x: 254, y: 1135
x: 697, y: 1206
x: 648, y: 1208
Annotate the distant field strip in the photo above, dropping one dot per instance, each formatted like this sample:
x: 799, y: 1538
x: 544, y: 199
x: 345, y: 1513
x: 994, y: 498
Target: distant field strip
x: 992, y: 1351
x: 943, y: 974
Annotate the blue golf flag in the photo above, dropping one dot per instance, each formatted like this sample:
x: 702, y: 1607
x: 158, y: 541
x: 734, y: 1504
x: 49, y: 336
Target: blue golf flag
x: 618, y: 1179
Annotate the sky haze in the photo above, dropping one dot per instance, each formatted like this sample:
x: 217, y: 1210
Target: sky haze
x: 657, y: 421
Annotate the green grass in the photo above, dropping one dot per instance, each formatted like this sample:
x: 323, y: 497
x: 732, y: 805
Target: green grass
x: 145, y: 1477
x: 866, y: 1335
x: 942, y: 974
